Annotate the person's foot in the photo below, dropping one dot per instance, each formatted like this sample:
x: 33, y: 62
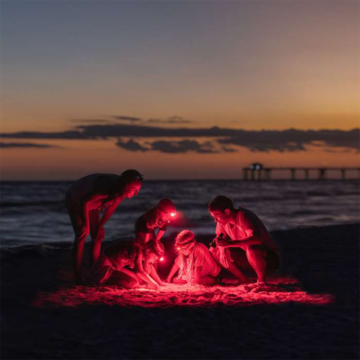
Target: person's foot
x: 257, y: 284
x: 243, y: 282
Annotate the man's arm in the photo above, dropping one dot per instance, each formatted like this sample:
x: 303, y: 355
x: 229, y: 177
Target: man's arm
x: 251, y: 228
x: 138, y: 264
x: 173, y: 271
x: 159, y: 235
x: 109, y: 211
x: 139, y: 271
x: 142, y: 237
x: 243, y: 244
x: 148, y: 279
x: 130, y: 273
x: 155, y: 276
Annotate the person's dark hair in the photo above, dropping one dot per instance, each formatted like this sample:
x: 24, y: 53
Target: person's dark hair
x: 129, y: 176
x: 166, y: 204
x: 126, y: 178
x: 221, y: 203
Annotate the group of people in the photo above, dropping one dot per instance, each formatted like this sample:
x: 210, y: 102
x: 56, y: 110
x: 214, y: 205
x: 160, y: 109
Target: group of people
x: 241, y: 241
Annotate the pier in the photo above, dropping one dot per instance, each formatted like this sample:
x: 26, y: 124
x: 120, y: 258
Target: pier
x: 259, y: 172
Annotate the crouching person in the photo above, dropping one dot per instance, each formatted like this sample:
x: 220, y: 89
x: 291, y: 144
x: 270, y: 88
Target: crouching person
x: 124, y: 264
x: 146, y: 262
x: 194, y: 264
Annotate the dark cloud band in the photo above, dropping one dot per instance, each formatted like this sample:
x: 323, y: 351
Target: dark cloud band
x: 226, y: 140
x: 4, y: 145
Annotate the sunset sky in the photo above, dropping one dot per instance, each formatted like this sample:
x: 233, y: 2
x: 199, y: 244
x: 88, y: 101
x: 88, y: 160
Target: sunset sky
x: 177, y: 89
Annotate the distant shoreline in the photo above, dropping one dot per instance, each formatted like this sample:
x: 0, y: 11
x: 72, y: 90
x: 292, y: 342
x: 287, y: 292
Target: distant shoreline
x: 199, y: 180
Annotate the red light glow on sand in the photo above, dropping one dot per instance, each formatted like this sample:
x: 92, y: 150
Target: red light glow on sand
x: 279, y: 291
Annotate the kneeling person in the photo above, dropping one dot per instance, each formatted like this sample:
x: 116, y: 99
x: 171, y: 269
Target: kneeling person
x: 126, y: 264
x: 195, y: 263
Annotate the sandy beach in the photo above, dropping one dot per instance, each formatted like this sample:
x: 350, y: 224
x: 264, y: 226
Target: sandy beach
x: 309, y: 310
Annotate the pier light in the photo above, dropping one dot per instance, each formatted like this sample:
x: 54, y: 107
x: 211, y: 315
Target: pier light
x: 256, y: 166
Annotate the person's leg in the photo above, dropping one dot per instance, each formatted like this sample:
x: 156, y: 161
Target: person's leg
x: 257, y: 255
x: 237, y: 273
x: 240, y: 261
x: 101, y: 271
x: 233, y: 269
x: 79, y: 241
x: 96, y: 236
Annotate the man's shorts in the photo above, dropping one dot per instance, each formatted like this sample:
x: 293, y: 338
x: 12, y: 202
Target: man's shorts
x: 240, y: 259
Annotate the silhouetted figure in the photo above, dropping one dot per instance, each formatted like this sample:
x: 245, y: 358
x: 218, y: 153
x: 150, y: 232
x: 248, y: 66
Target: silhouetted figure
x: 127, y: 264
x: 241, y: 228
x: 86, y: 199
x: 156, y: 218
x: 194, y: 264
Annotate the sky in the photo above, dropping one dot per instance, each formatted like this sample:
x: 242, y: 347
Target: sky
x: 179, y: 89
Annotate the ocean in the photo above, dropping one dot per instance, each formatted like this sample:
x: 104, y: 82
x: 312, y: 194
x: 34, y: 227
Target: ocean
x: 35, y: 212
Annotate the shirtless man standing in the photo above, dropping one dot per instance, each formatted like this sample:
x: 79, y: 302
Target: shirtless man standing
x: 86, y: 199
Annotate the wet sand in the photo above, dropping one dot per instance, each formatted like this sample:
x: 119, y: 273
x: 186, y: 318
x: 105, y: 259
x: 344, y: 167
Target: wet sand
x: 309, y: 310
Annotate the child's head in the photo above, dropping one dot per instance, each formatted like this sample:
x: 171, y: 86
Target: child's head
x: 153, y: 252
x: 161, y: 214
x: 166, y: 209
x: 185, y: 242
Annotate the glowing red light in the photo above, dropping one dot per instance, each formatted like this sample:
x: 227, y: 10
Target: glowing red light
x: 161, y: 259
x: 172, y: 214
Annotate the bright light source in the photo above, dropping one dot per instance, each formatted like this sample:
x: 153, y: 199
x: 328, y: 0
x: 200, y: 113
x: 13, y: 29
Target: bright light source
x: 161, y: 259
x: 173, y: 214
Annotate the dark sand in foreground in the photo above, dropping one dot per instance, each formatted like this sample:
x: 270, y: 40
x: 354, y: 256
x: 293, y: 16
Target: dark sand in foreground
x: 309, y: 311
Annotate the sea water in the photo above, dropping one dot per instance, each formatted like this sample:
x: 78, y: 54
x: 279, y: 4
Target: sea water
x: 35, y: 212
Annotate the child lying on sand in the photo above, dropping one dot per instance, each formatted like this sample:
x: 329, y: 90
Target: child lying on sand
x: 195, y: 263
x: 127, y: 264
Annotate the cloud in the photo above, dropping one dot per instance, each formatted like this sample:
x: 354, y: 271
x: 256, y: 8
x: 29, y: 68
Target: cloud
x: 25, y: 145
x: 183, y: 146
x: 170, y: 147
x: 131, y: 145
x: 228, y: 149
x: 127, y: 118
x: 170, y: 120
x: 228, y: 139
x: 294, y: 140
x: 96, y: 131
x: 90, y: 121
